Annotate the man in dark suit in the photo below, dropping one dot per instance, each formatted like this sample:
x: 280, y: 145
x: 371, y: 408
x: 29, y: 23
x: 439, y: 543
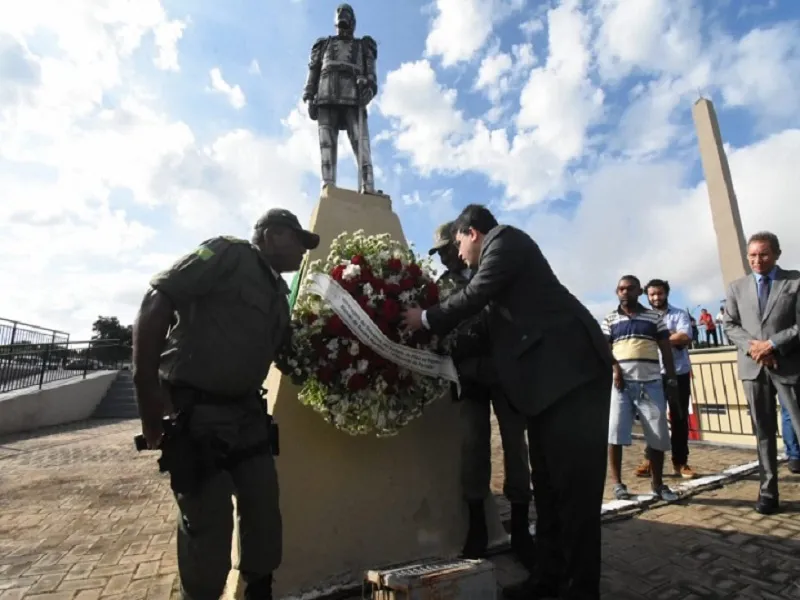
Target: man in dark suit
x: 479, y: 392
x: 761, y: 320
x: 555, y: 368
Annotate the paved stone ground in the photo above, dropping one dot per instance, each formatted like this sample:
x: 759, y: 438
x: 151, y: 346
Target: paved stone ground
x: 82, y: 516
x: 711, y: 546
x: 705, y: 460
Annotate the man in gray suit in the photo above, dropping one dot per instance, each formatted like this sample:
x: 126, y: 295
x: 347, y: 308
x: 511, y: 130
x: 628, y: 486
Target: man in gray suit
x: 554, y: 365
x: 761, y: 320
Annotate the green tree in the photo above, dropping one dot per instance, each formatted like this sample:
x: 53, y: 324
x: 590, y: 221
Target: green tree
x: 109, y: 328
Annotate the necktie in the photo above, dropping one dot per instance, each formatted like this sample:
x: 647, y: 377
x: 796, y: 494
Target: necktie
x: 763, y: 293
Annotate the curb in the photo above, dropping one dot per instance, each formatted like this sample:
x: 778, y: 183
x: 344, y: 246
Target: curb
x: 616, y: 510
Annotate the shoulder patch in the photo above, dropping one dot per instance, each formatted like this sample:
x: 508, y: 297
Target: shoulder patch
x: 204, y: 252
x: 320, y: 42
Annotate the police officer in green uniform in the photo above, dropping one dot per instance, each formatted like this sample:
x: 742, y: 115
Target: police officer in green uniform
x: 206, y: 368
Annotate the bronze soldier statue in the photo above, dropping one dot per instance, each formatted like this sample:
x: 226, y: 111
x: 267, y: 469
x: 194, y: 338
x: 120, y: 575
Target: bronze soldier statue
x: 341, y: 82
x: 197, y: 383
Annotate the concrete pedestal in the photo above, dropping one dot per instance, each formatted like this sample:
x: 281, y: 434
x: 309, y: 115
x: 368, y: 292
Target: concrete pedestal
x: 351, y: 503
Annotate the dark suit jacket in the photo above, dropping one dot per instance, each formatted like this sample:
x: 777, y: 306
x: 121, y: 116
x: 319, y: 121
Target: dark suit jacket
x: 544, y: 342
x: 779, y: 323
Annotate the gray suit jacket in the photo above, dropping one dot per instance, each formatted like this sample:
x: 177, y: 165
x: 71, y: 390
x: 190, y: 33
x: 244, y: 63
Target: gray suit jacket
x: 779, y: 324
x: 544, y: 343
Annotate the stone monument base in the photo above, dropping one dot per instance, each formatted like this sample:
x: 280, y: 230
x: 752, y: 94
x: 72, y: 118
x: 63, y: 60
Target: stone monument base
x: 354, y: 503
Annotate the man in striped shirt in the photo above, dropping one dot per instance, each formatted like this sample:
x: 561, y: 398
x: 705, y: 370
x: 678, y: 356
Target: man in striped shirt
x: 638, y: 336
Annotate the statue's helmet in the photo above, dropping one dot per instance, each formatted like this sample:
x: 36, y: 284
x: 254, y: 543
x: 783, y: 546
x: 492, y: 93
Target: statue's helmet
x: 345, y: 17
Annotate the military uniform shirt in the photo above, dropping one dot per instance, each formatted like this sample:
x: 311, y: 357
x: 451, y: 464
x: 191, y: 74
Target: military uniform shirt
x: 233, y: 316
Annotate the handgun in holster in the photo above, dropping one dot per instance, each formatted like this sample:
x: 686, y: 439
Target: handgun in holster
x: 186, y: 461
x: 273, y: 433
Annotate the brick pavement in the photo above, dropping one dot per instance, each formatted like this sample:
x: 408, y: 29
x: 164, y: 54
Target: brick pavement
x: 83, y: 516
x: 711, y: 546
x: 705, y: 459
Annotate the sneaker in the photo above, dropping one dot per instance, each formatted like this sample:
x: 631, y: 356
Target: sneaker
x: 685, y: 471
x: 621, y: 491
x: 666, y: 494
x: 643, y: 470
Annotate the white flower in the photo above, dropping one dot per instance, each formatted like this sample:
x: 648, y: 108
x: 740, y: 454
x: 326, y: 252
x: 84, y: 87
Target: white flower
x: 362, y: 366
x: 354, y: 348
x: 368, y: 290
x: 351, y: 271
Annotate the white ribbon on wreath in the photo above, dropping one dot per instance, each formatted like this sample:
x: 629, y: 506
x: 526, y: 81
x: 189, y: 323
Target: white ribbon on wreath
x: 367, y: 331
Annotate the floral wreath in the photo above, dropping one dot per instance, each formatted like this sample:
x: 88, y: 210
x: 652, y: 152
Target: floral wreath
x: 344, y: 380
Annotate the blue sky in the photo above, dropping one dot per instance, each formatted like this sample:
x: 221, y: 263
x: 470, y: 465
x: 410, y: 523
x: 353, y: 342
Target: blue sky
x: 131, y: 133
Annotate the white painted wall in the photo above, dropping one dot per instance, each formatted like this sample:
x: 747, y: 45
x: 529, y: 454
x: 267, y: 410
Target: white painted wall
x: 56, y: 403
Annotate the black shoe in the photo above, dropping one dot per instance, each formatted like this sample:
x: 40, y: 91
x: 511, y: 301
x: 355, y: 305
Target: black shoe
x: 477, y: 534
x: 529, y: 590
x: 794, y: 466
x: 767, y: 506
x: 522, y: 544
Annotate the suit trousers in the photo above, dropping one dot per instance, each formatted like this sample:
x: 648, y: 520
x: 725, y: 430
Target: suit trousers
x: 476, y: 445
x: 568, y: 451
x: 761, y: 396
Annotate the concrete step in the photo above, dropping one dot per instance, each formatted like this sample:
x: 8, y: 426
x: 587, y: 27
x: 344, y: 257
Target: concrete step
x: 120, y: 399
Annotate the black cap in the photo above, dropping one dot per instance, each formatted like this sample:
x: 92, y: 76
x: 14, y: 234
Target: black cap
x: 281, y: 216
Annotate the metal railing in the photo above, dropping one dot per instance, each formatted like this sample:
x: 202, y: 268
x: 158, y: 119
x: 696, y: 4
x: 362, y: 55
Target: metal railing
x: 24, y: 365
x: 16, y: 332
x: 719, y: 399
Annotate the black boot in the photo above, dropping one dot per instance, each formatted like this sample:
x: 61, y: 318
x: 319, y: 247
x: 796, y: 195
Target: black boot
x: 522, y: 543
x: 258, y: 589
x: 477, y: 535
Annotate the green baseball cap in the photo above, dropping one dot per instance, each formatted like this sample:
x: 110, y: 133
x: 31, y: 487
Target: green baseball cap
x: 281, y: 216
x: 442, y: 237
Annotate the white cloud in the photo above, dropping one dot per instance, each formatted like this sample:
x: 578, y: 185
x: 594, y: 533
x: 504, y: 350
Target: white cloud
x: 531, y: 27
x: 167, y: 35
x: 462, y: 27
x: 100, y: 187
x: 638, y: 217
x: 254, y: 68
x: 499, y: 71
x: 233, y: 93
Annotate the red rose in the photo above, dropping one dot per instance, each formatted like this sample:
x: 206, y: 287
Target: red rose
x: 338, y: 272
x: 357, y: 382
x: 344, y: 359
x: 390, y: 374
x: 310, y: 318
x: 432, y: 293
x: 357, y: 260
x: 394, y: 265
x: 352, y: 286
x: 404, y: 383
x: 318, y: 344
x: 390, y: 310
x: 406, y: 284
x: 326, y: 374
x: 335, y: 327
x: 392, y: 290
x: 414, y: 271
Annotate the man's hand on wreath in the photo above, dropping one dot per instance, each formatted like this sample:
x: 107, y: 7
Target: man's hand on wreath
x: 412, y: 318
